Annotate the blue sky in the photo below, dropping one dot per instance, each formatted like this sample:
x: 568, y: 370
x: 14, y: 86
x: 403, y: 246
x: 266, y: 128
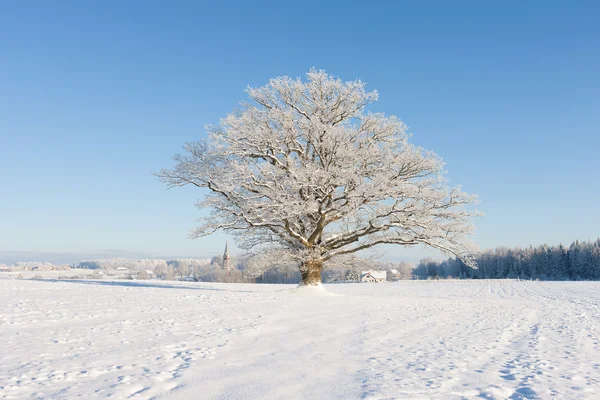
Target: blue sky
x: 95, y: 96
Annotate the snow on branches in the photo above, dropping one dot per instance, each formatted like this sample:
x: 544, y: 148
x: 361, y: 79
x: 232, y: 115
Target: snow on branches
x: 304, y: 169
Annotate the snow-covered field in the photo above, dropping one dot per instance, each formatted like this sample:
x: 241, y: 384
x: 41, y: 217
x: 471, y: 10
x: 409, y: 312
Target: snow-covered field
x: 410, y: 340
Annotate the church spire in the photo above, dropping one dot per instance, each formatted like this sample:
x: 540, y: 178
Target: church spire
x: 226, y: 258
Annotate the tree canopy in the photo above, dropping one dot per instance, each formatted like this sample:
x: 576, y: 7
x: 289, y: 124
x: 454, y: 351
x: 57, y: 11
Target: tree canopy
x: 304, y: 172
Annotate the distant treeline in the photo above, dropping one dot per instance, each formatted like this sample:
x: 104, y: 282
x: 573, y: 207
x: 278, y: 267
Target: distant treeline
x: 580, y: 261
x: 204, y: 270
x: 211, y: 270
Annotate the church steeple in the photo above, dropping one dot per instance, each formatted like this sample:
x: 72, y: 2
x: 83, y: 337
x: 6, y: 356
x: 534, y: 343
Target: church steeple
x: 226, y: 259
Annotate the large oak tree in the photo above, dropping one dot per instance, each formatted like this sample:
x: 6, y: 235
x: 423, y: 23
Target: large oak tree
x: 306, y: 173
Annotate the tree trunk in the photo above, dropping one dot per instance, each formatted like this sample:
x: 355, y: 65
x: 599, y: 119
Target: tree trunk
x: 311, y: 273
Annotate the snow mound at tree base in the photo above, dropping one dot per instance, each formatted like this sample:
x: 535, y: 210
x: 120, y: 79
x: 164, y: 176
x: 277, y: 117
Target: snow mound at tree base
x: 312, y: 290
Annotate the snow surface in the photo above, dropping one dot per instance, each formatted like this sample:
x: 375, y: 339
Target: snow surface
x: 409, y: 340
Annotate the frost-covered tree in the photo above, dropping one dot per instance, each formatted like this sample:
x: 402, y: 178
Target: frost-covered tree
x: 352, y: 275
x: 405, y: 270
x: 305, y: 172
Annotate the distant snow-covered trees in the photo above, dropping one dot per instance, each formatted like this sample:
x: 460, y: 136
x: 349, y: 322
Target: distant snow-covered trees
x: 123, y: 263
x: 306, y: 173
x: 353, y: 275
x: 204, y: 270
x: 404, y: 270
x: 581, y: 261
x: 183, y: 267
x: 35, y: 265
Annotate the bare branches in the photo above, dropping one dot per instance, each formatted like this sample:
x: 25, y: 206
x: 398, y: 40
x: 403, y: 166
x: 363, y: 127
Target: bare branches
x: 305, y: 169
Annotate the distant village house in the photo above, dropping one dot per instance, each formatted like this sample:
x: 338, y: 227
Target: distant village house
x: 373, y: 276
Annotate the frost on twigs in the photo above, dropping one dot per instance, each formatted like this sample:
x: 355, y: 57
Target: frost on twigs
x: 304, y: 170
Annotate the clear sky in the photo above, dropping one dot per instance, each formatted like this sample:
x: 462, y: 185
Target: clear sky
x: 95, y: 96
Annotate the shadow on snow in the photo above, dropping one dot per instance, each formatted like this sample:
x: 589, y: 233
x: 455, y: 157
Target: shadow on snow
x: 144, y: 284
